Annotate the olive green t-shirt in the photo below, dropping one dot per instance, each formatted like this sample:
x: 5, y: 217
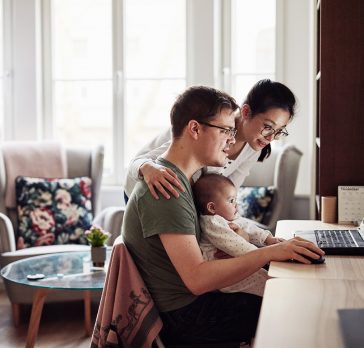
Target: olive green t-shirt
x: 144, y: 219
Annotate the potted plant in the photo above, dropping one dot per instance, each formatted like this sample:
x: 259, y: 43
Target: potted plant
x: 97, y: 238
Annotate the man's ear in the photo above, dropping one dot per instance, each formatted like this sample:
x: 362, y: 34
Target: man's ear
x: 245, y: 111
x: 211, y: 207
x: 193, y: 128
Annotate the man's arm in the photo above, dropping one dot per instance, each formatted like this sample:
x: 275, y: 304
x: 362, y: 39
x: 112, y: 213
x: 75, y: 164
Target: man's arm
x: 203, y: 276
x: 257, y: 235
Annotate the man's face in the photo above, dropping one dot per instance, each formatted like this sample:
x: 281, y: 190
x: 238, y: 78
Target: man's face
x: 215, y: 141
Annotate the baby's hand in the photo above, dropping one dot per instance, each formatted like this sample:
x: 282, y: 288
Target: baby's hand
x: 273, y: 240
x: 219, y: 254
x: 239, y: 231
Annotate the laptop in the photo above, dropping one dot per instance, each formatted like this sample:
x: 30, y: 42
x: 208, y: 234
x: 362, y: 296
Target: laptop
x: 351, y: 322
x: 336, y: 242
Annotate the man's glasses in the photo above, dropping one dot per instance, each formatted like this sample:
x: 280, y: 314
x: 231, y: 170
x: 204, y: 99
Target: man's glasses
x: 231, y: 132
x: 278, y: 134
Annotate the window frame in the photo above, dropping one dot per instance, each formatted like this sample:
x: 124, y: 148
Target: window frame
x: 7, y: 131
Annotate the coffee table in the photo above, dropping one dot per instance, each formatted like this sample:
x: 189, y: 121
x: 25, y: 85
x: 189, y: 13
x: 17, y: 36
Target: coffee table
x: 71, y: 271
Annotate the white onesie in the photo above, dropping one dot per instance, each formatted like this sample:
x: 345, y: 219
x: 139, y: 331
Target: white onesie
x: 217, y: 235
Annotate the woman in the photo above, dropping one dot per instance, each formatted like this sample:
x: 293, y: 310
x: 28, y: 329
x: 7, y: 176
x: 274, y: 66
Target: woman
x: 263, y: 117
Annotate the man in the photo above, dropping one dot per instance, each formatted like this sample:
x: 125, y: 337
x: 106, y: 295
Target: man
x: 162, y: 235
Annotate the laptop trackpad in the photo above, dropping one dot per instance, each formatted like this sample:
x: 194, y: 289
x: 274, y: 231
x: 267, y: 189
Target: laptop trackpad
x: 309, y: 235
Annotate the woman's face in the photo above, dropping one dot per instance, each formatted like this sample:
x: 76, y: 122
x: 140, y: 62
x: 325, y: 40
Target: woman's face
x: 250, y: 128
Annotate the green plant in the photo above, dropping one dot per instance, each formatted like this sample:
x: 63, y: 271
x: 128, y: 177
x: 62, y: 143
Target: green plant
x: 96, y: 236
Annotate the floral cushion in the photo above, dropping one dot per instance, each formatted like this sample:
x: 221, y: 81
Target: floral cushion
x: 53, y: 211
x: 255, y: 202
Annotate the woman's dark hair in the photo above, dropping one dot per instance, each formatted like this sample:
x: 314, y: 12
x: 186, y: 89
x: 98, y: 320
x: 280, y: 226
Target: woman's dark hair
x: 266, y: 95
x: 198, y: 103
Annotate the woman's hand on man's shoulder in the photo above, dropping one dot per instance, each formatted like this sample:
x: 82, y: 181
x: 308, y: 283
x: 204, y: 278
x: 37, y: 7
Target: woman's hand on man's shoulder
x: 161, y: 179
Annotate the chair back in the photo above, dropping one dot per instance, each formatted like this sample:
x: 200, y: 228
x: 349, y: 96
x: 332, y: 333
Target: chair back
x: 127, y: 316
x: 81, y: 161
x: 280, y: 170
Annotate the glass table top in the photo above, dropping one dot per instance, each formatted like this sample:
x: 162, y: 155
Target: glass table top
x: 71, y: 270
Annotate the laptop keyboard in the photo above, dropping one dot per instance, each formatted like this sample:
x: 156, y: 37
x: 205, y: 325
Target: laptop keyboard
x: 334, y: 239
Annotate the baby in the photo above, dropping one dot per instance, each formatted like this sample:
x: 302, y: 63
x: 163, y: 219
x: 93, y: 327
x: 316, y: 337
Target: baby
x: 225, y: 230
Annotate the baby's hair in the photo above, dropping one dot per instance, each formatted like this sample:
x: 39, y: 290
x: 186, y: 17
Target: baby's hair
x: 207, y: 187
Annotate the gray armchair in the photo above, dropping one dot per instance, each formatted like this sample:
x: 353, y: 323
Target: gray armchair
x: 280, y: 170
x: 80, y: 162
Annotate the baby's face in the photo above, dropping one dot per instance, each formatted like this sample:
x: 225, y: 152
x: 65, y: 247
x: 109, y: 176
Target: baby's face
x: 225, y: 203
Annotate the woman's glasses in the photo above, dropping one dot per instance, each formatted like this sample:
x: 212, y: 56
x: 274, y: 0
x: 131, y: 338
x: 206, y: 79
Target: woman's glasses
x: 278, y: 134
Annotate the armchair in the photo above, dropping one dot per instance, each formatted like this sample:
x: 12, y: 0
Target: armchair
x: 280, y: 172
x: 80, y: 162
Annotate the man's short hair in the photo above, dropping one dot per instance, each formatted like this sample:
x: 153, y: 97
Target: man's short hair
x: 207, y: 188
x: 198, y: 103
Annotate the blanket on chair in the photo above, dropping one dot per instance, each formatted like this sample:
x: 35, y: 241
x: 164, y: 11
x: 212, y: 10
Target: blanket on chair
x: 127, y: 316
x: 33, y: 159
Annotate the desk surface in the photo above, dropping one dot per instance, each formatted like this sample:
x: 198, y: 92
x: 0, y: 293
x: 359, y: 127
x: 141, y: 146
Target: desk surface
x: 303, y: 312
x: 335, y: 267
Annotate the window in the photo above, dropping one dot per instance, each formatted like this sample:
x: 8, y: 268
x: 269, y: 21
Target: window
x: 79, y: 79
x: 155, y: 67
x: 253, y: 44
x: 113, y: 72
x: 113, y: 69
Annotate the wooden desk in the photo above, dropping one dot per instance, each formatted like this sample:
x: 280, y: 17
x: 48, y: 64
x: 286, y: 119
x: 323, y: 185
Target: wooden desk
x: 335, y: 267
x: 303, y: 312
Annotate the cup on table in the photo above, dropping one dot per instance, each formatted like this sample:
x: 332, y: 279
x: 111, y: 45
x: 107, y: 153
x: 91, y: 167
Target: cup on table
x: 329, y: 209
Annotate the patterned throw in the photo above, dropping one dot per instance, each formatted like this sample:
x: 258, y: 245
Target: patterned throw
x: 53, y: 211
x: 127, y: 316
x: 255, y: 202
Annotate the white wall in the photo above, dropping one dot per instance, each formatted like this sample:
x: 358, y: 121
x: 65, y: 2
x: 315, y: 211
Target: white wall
x: 298, y: 75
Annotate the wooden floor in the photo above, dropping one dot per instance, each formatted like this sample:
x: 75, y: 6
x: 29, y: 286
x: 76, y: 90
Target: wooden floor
x: 61, y: 325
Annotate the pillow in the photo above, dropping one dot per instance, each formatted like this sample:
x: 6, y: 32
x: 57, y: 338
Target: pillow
x: 255, y: 202
x: 53, y: 211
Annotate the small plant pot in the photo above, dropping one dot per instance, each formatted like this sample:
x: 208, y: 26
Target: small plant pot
x: 98, y: 256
